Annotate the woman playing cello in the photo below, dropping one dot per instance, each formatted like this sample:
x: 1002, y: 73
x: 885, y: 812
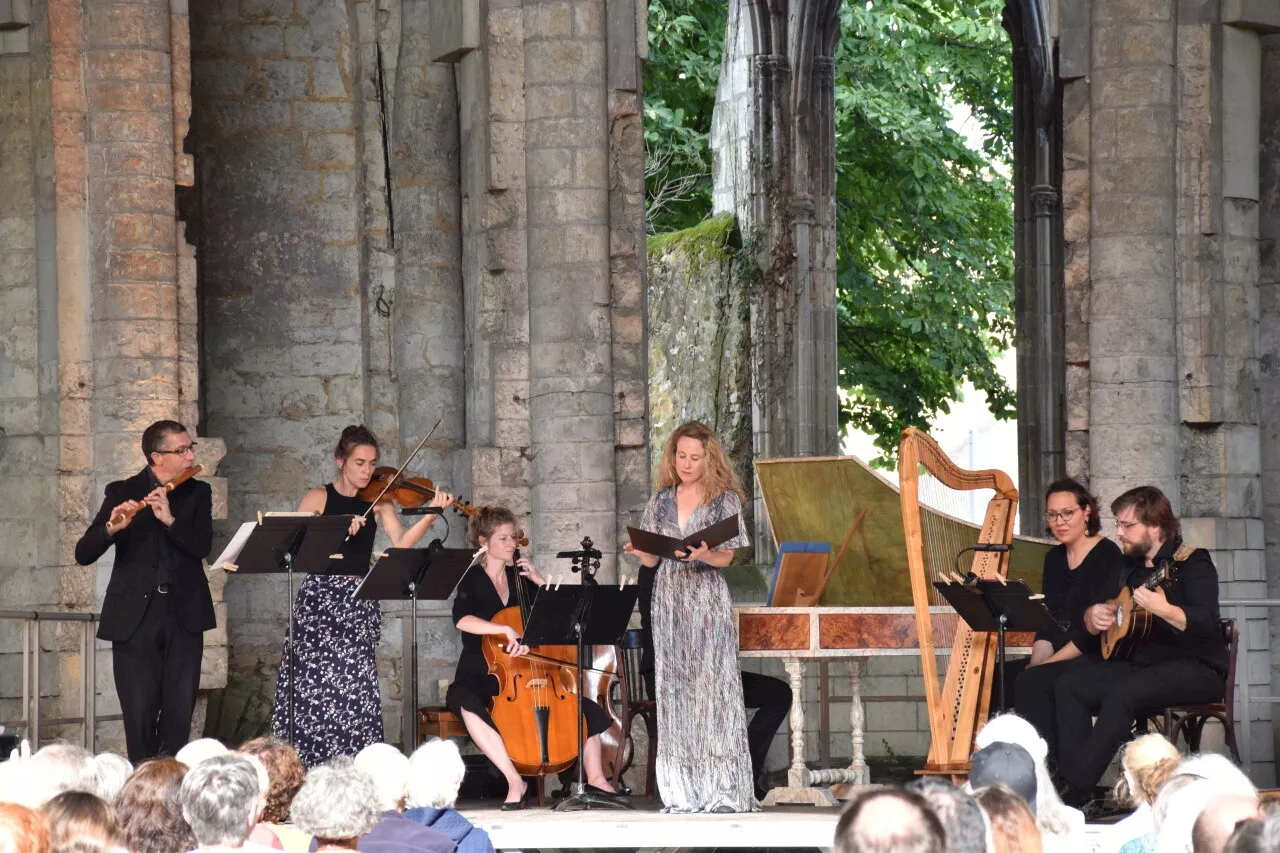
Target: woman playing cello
x: 481, y: 594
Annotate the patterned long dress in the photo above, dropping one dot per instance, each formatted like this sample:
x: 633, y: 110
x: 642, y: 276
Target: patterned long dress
x: 336, y: 705
x: 703, y: 759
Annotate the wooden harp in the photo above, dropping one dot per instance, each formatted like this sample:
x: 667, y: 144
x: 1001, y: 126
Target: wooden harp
x: 936, y: 494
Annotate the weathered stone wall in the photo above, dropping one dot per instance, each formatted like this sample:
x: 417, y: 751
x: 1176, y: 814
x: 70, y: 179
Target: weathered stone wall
x: 99, y: 299
x: 1161, y: 133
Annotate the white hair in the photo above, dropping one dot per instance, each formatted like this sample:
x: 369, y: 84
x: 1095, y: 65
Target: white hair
x: 435, y: 774
x: 220, y: 800
x: 56, y: 769
x: 1053, y: 817
x: 389, y: 770
x: 200, y: 750
x: 1218, y: 769
x: 1176, y: 809
x: 111, y: 770
x: 337, y: 802
x: 264, y: 778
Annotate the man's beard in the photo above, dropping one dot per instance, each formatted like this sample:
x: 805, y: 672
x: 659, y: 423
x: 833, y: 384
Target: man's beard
x: 1137, y: 549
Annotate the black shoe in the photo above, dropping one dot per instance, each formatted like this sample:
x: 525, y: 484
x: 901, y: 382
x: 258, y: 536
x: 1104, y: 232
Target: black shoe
x: 513, y: 807
x: 588, y: 788
x: 724, y: 810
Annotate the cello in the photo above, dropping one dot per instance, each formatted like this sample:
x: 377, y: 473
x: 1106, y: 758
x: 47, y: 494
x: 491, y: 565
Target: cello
x: 536, y: 710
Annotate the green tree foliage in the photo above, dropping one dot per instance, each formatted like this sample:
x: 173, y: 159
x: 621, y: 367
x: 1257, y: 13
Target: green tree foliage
x: 925, y: 221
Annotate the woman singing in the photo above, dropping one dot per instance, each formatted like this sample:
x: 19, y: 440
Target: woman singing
x: 336, y: 706
x: 481, y: 594
x: 703, y: 759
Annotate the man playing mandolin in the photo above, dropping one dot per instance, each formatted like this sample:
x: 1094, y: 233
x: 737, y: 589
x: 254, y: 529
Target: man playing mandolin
x: 1181, y: 659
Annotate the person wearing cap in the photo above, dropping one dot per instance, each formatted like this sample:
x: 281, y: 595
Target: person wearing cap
x: 1005, y: 764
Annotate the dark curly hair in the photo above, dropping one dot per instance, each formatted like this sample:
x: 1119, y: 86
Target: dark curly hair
x: 284, y: 769
x: 1084, y: 500
x: 150, y: 811
x: 352, y: 437
x: 487, y: 519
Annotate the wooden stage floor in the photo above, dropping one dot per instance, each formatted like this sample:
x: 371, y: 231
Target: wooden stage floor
x: 646, y: 828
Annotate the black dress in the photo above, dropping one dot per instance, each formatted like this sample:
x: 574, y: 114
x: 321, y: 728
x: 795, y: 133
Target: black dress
x: 1069, y: 592
x: 337, y: 708
x: 473, y: 688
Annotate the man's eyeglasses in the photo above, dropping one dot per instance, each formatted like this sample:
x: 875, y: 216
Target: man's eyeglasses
x: 1066, y: 515
x: 180, y: 451
x: 1127, y: 525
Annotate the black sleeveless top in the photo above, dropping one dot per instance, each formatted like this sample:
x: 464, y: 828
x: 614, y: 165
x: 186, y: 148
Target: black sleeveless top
x: 357, y: 552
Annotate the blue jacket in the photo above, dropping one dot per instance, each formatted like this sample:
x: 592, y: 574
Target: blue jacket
x: 468, y: 838
x: 394, y: 834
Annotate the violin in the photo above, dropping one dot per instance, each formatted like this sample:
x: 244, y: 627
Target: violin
x: 168, y: 487
x: 388, y: 484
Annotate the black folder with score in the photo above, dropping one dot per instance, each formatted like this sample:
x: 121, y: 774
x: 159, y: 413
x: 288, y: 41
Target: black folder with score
x: 666, y: 546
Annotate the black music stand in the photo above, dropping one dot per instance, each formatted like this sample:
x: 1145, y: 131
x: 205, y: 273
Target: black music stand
x: 585, y: 614
x: 289, y: 543
x: 999, y: 606
x: 413, y: 574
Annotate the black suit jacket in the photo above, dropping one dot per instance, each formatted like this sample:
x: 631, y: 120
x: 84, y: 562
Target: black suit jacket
x: 133, y: 577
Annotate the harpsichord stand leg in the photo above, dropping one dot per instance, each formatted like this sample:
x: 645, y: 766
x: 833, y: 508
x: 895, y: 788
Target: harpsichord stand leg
x: 797, y: 790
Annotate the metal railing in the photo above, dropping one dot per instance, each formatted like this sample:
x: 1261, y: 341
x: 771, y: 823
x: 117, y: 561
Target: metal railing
x: 31, y: 721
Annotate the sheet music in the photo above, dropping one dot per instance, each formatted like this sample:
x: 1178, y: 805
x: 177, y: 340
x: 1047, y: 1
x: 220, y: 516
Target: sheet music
x: 232, y: 551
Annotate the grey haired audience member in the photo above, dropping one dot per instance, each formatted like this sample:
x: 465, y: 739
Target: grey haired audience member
x: 61, y: 767
x: 220, y: 800
x: 880, y: 819
x: 111, y: 771
x: 1219, y: 819
x: 1258, y: 835
x: 957, y: 811
x: 337, y: 804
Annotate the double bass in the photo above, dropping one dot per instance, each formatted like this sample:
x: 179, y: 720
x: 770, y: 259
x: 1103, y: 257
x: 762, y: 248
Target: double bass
x: 537, y: 707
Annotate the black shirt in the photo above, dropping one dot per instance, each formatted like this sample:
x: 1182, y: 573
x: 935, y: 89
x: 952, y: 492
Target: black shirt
x: 1069, y: 592
x: 164, y: 547
x: 1194, y: 588
x: 477, y: 596
x: 357, y: 552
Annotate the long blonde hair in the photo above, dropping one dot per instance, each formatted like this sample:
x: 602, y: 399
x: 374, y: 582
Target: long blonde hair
x: 718, y: 475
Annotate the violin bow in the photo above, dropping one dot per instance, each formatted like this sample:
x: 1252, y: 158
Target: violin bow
x: 393, y: 480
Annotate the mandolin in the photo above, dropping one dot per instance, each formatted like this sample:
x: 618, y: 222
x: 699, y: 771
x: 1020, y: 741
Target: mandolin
x: 1133, y: 624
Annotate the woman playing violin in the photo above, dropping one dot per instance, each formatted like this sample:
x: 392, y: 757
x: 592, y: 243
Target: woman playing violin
x: 336, y: 704
x: 481, y: 594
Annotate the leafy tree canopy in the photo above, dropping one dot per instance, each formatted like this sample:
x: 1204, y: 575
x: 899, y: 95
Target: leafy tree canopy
x: 925, y: 221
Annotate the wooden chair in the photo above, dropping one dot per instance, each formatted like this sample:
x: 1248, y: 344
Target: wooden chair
x: 439, y: 721
x: 636, y: 702
x: 1189, y: 720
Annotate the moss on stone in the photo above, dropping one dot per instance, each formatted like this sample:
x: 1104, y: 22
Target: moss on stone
x: 712, y: 239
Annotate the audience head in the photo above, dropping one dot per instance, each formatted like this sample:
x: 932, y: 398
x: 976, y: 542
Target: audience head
x: 220, y: 800
x: 1147, y: 763
x: 880, y: 819
x: 1218, y: 769
x: 1052, y: 815
x: 81, y: 823
x: 389, y: 769
x: 284, y: 771
x: 957, y: 811
x: 201, y: 750
x: 1176, y: 808
x: 56, y: 768
x: 112, y: 770
x: 22, y: 830
x: 337, y: 804
x: 1013, y: 826
x: 149, y: 809
x: 1005, y: 764
x: 1219, y: 819
x: 1258, y: 835
x: 435, y: 774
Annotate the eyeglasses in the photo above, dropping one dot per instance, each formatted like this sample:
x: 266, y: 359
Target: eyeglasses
x: 1127, y: 525
x: 1066, y: 515
x: 180, y: 451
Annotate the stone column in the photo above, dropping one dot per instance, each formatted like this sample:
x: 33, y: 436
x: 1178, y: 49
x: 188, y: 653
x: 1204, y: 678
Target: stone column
x: 1133, y: 434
